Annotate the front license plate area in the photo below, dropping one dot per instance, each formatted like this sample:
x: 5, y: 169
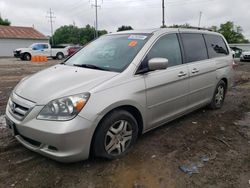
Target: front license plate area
x: 11, y: 126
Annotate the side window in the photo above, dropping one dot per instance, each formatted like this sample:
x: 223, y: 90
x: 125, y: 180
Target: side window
x: 194, y: 47
x: 38, y: 47
x: 45, y: 46
x: 166, y: 47
x: 216, y: 46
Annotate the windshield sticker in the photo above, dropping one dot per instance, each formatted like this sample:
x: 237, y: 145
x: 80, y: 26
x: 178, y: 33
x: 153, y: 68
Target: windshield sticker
x: 133, y: 43
x: 137, y: 37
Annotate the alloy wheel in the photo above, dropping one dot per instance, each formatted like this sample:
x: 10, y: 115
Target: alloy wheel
x: 219, y: 97
x: 118, y: 137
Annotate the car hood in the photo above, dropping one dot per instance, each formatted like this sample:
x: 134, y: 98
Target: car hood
x: 22, y: 49
x: 60, y: 81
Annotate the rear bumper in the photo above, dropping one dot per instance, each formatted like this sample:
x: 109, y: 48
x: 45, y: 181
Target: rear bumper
x: 64, y: 141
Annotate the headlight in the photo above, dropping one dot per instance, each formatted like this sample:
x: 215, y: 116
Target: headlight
x: 64, y: 108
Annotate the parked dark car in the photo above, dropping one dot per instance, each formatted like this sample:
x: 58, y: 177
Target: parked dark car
x: 73, y: 49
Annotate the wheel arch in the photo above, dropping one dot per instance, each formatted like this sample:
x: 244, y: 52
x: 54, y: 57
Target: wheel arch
x: 24, y: 53
x: 224, y: 79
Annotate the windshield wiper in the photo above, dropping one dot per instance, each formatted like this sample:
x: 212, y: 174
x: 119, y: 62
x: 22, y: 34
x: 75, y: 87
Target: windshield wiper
x: 89, y: 66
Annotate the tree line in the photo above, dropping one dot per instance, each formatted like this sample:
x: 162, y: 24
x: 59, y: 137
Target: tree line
x: 5, y: 22
x: 232, y: 33
x: 70, y: 34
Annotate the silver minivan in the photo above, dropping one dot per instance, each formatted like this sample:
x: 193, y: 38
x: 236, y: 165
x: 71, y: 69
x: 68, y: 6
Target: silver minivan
x: 118, y: 87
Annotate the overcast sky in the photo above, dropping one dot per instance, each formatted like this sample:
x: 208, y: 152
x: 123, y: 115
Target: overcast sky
x: 139, y: 14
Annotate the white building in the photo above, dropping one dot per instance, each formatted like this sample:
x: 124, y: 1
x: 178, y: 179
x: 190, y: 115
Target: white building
x: 12, y: 37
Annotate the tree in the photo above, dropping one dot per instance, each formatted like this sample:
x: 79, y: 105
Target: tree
x: 70, y: 34
x: 124, y: 28
x: 214, y: 28
x: 232, y: 33
x: 186, y: 25
x: 4, y: 21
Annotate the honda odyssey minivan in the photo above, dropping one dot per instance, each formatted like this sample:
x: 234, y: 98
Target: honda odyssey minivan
x: 116, y: 88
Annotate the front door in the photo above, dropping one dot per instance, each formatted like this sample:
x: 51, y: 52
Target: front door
x: 166, y: 90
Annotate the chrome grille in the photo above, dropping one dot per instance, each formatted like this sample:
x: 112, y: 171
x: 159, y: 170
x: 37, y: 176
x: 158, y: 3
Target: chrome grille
x: 19, y: 107
x: 247, y: 56
x: 18, y: 111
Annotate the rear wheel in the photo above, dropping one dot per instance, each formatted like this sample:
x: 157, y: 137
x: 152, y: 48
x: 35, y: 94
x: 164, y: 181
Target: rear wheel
x: 116, y: 135
x: 59, y: 56
x: 219, y: 95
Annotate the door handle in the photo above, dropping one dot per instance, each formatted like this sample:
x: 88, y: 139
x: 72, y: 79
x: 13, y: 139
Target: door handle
x: 181, y: 74
x: 195, y: 70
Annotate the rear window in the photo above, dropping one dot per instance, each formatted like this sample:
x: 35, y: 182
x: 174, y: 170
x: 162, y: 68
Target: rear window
x: 216, y: 46
x: 194, y: 47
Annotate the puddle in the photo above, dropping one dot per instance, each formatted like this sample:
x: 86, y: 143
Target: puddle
x: 2, y: 122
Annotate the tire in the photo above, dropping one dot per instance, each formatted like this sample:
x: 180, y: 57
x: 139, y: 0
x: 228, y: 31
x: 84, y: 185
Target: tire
x: 27, y: 57
x: 115, y: 135
x: 219, y: 96
x: 59, y: 56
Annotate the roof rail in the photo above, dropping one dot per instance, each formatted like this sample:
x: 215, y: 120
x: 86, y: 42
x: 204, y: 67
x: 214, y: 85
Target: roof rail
x: 198, y: 28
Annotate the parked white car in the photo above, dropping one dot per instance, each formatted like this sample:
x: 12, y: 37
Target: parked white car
x: 41, y: 49
x: 245, y: 56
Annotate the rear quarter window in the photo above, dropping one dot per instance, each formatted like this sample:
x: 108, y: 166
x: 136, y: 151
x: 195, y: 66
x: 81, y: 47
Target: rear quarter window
x: 216, y: 46
x: 194, y: 47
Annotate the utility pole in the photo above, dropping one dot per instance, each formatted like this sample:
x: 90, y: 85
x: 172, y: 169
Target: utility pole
x: 96, y: 6
x: 163, y: 13
x: 200, y: 15
x: 51, y: 17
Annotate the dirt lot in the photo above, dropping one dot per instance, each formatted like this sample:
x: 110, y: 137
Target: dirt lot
x: 216, y: 144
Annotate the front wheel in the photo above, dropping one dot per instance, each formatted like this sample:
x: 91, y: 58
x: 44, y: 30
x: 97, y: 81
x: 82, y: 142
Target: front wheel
x: 27, y: 56
x: 115, y: 135
x: 219, y: 95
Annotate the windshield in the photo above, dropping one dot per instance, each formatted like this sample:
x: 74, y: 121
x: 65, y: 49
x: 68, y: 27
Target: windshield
x: 111, y: 53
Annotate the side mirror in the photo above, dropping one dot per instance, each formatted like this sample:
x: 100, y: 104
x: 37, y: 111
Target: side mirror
x: 157, y: 64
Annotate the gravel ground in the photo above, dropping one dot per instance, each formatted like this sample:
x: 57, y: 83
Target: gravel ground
x: 216, y: 144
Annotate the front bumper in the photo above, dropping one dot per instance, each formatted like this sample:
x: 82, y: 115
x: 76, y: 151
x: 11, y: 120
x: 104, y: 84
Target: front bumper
x: 64, y: 141
x: 17, y: 54
x: 245, y: 57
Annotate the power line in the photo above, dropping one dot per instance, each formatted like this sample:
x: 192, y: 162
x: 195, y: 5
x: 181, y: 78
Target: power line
x: 51, y: 17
